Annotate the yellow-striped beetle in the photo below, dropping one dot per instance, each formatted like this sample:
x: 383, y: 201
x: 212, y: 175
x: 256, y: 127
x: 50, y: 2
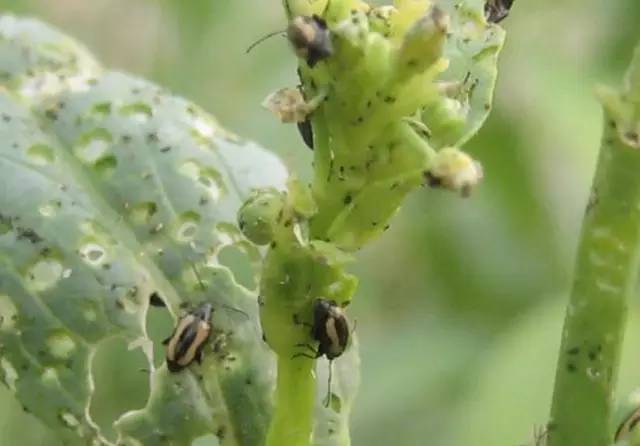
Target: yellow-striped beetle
x: 330, y: 328
x: 310, y: 38
x: 626, y: 427
x: 189, y: 337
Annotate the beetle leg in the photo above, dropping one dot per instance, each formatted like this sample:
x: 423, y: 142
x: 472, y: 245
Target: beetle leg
x: 303, y: 355
x: 198, y: 356
x: 327, y: 400
x: 314, y: 353
x: 298, y: 321
x: 308, y: 346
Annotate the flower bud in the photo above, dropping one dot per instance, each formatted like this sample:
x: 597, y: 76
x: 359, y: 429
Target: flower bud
x: 454, y: 170
x: 258, y: 217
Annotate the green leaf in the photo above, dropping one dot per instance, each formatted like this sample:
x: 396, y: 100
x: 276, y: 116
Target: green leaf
x: 112, y: 189
x: 472, y: 49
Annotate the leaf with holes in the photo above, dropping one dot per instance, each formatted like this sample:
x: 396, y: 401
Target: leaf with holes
x: 112, y: 191
x: 472, y: 49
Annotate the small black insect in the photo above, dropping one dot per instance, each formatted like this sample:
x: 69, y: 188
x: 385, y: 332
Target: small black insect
x: 310, y: 38
x: 306, y: 131
x: 188, y: 339
x: 497, y: 10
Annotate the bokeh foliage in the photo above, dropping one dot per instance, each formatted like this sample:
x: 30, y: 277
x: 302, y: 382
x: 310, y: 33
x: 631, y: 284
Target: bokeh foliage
x: 462, y: 300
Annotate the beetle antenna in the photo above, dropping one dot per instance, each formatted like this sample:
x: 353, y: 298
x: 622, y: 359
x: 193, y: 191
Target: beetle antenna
x: 203, y: 287
x: 326, y: 8
x: 262, y: 39
x: 327, y: 401
x: 237, y: 310
x: 198, y: 278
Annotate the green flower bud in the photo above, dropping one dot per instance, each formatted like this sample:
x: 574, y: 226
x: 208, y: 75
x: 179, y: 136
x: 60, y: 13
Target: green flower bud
x: 260, y: 214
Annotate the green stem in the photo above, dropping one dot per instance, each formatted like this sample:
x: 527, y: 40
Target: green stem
x: 605, y: 279
x: 295, y: 394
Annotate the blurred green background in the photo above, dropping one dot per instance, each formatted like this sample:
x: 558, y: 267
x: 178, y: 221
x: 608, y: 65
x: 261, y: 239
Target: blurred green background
x: 461, y: 302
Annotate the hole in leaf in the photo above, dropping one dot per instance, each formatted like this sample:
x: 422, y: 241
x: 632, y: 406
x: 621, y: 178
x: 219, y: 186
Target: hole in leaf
x: 50, y: 377
x: 237, y: 261
x: 202, y: 127
x: 44, y: 274
x: 160, y: 325
x: 60, y: 344
x: 156, y: 301
x: 187, y: 225
x: 335, y: 402
x: 89, y: 312
x: 50, y: 209
x: 206, y: 440
x: 5, y: 224
x: 128, y: 299
x: 8, y: 313
x: 69, y: 419
x: 212, y: 182
x: 9, y: 376
x: 227, y: 233
x: 121, y: 383
x: 142, y: 213
x: 106, y: 166
x: 138, y: 111
x: 206, y: 177
x: 41, y: 154
x: 190, y: 169
x: 93, y: 145
x: 93, y: 253
x: 101, y: 109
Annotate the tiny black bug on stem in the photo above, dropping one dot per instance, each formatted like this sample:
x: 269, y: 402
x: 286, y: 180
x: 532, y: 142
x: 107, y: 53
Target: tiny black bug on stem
x: 306, y: 131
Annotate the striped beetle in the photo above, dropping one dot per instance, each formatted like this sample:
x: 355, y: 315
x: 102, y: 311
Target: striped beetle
x: 330, y: 328
x: 627, y: 426
x: 310, y: 38
x: 189, y: 338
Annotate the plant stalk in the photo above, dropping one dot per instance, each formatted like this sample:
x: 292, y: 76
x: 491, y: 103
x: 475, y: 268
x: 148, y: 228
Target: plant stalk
x: 295, y: 395
x: 605, y: 279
